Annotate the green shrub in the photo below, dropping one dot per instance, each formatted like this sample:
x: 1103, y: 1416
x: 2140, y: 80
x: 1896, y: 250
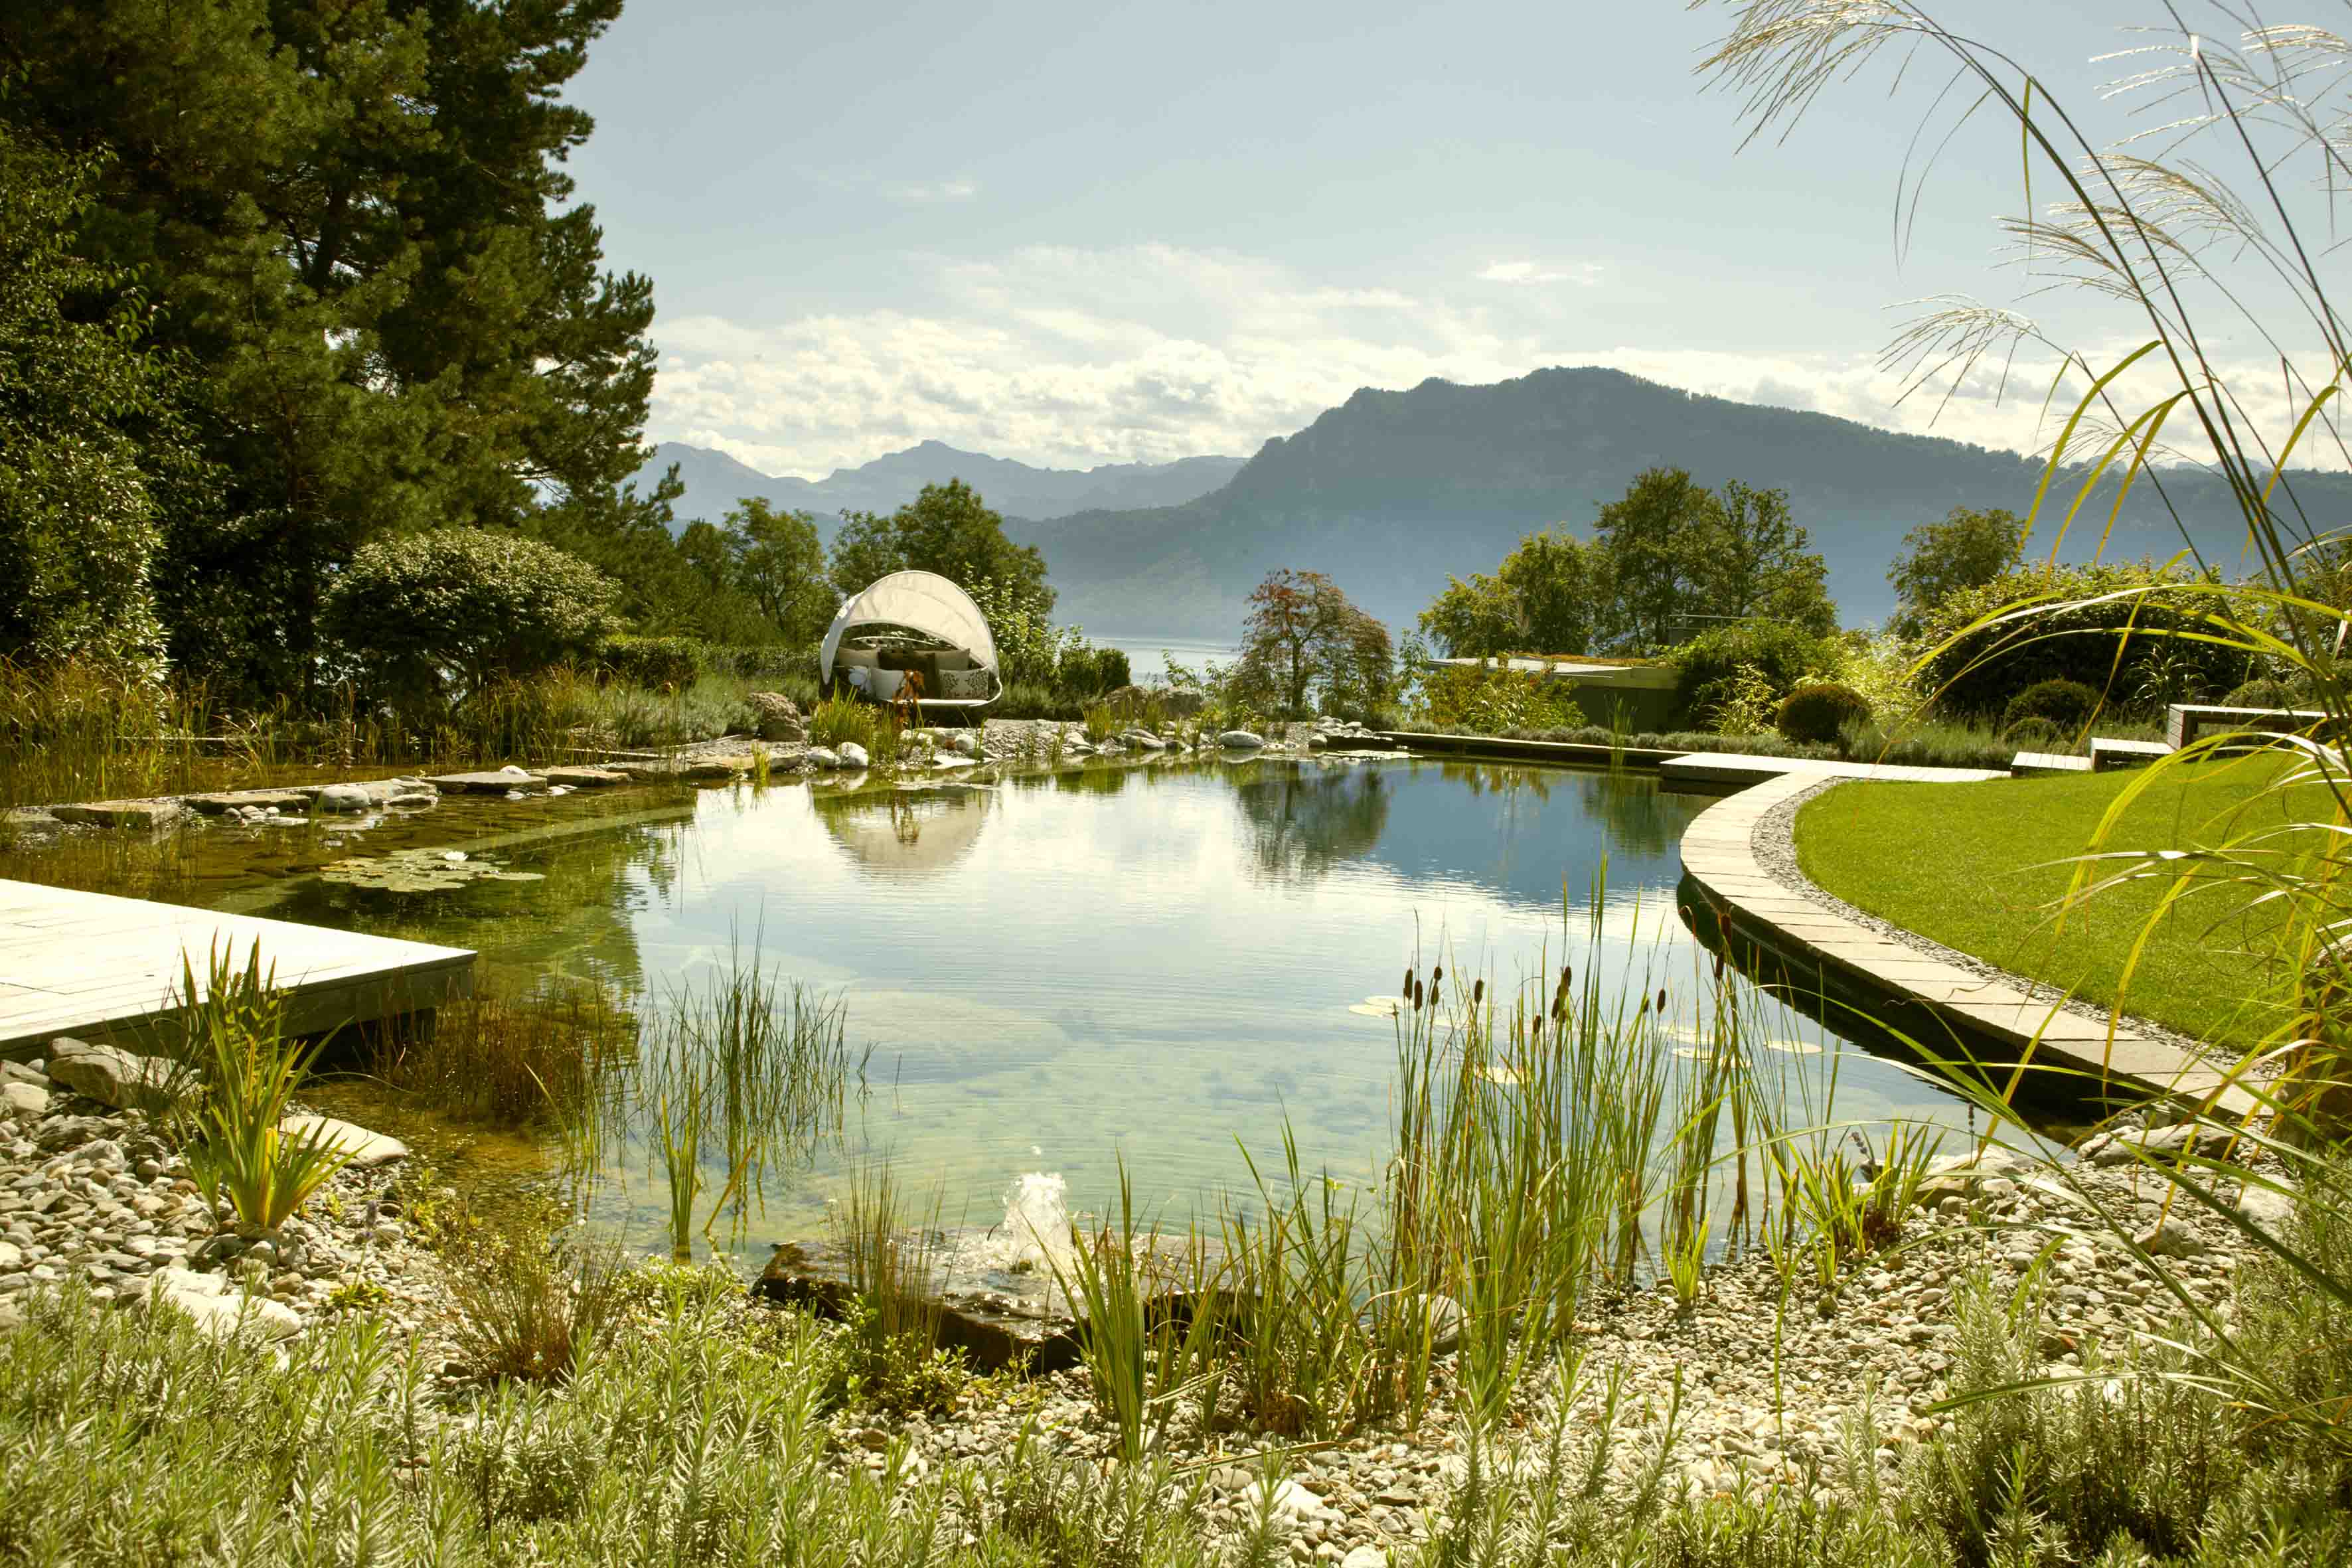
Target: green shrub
x: 2069, y: 704
x: 777, y: 663
x: 839, y: 719
x: 2264, y: 693
x: 2034, y: 734
x: 2116, y: 645
x: 1090, y: 671
x: 1818, y: 714
x: 530, y: 1303
x: 428, y: 618
x: 653, y: 663
x: 1710, y: 666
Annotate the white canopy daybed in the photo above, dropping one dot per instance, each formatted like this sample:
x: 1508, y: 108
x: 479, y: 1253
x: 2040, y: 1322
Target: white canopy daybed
x: 961, y: 674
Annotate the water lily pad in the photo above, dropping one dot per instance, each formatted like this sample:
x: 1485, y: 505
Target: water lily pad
x: 1369, y: 1011
x: 1393, y: 1004
x: 419, y: 871
x: 1694, y: 1054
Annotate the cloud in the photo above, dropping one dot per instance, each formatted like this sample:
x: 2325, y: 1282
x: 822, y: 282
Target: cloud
x: 924, y: 194
x: 1586, y: 273
x: 1070, y: 357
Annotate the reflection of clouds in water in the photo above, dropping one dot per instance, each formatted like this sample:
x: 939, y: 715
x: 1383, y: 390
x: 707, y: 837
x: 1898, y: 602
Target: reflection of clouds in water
x: 906, y: 833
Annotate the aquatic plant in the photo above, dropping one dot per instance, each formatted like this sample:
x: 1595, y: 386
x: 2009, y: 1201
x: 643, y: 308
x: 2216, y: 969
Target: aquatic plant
x: 232, y: 1035
x: 513, y: 1059
x: 420, y: 871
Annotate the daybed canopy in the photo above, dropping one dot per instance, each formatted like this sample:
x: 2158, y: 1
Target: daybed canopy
x: 923, y: 600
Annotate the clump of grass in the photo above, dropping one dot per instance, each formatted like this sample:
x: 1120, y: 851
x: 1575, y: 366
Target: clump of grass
x: 530, y: 1303
x: 892, y: 1359
x: 843, y: 719
x: 233, y: 1038
x: 512, y: 1060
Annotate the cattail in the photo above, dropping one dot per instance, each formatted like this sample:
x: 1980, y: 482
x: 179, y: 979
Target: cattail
x: 1416, y: 995
x: 1661, y: 998
x: 1407, y: 987
x: 1478, y: 990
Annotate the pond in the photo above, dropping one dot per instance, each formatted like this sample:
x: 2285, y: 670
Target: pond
x: 1157, y: 964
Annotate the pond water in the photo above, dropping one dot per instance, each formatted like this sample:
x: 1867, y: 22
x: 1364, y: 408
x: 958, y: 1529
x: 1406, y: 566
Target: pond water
x: 1148, y: 963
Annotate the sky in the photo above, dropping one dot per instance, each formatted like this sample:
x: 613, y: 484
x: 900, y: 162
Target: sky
x: 1083, y: 233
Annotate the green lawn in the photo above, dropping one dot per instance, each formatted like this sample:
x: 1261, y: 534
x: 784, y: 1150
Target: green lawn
x: 1967, y: 865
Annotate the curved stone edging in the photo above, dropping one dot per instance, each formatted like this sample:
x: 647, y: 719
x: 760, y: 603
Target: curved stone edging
x: 1719, y: 856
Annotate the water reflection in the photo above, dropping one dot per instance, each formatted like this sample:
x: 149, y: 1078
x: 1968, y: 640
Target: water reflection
x: 908, y: 833
x: 1305, y: 818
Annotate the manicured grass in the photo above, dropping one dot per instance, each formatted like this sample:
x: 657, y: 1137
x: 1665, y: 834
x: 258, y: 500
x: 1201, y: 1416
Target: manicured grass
x: 1971, y: 867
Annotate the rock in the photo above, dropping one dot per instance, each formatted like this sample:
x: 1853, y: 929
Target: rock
x: 2168, y: 1237
x: 120, y: 812
x: 1365, y: 1557
x: 824, y: 757
x: 779, y: 716
x: 23, y: 1072
x: 206, y: 1298
x: 993, y: 1332
x: 111, y: 1076
x: 12, y: 1257
x: 344, y: 797
x: 243, y: 800
x: 965, y: 743
x: 853, y: 755
x: 1241, y: 741
x: 367, y: 1149
x: 2273, y: 1210
x: 585, y: 778
x: 498, y: 782
x: 1292, y: 1503
x: 714, y: 768
x: 25, y: 1099
x: 2120, y: 1148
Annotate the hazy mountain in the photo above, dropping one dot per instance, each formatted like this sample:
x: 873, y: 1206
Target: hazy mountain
x: 716, y: 482
x: 1392, y: 491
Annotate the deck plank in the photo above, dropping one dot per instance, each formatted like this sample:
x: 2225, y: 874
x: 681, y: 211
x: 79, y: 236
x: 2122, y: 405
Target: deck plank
x: 101, y: 967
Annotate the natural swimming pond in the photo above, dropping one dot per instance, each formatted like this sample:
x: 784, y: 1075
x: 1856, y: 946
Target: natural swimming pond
x: 1156, y: 964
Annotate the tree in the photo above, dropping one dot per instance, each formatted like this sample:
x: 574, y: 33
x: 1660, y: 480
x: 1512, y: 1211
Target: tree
x: 436, y: 616
x: 76, y: 518
x: 1967, y: 550
x: 776, y: 560
x: 1750, y: 560
x: 1303, y: 634
x: 1546, y: 597
x: 1651, y: 538
x: 947, y: 529
x: 354, y: 226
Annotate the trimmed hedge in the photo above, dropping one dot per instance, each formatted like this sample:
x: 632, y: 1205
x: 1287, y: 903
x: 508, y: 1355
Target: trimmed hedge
x: 1817, y: 714
x: 653, y: 662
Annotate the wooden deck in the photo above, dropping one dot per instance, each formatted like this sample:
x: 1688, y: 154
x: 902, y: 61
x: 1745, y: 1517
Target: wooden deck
x: 102, y: 968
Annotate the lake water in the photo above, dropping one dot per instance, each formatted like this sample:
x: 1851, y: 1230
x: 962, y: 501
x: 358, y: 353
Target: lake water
x: 1152, y: 963
x: 1147, y: 657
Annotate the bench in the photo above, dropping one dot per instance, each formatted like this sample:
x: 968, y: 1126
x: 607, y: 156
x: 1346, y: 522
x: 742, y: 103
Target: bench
x: 2107, y: 755
x: 2184, y: 721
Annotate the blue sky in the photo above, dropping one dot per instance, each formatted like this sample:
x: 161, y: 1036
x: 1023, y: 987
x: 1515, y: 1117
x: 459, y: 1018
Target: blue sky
x: 1074, y: 234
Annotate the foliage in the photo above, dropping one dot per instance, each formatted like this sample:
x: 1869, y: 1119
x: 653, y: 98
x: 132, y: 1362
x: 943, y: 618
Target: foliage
x: 232, y: 1038
x: 357, y: 242
x: 1676, y: 556
x: 2103, y: 624
x: 2044, y: 735
x: 2069, y: 704
x: 1092, y: 671
x: 433, y: 617
x: 1820, y: 712
x: 529, y: 1303
x: 653, y: 662
x: 2264, y: 692
x: 510, y: 1060
x: 1969, y: 549
x: 1487, y: 701
x: 1546, y: 597
x: 1304, y: 639
x: 844, y: 718
x: 1707, y: 668
x: 77, y: 528
x: 946, y: 529
x: 771, y: 559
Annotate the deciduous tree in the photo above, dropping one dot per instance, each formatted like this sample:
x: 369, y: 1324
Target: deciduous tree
x: 1969, y: 549
x: 1305, y: 637
x: 946, y: 529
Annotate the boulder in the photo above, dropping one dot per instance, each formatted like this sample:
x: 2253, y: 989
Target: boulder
x: 779, y: 716
x: 499, y: 782
x: 1241, y: 741
x: 365, y: 1148
x: 344, y: 797
x: 824, y: 757
x: 965, y: 743
x: 111, y: 1076
x: 119, y: 813
x: 24, y: 1099
x: 853, y: 755
x: 1444, y: 1317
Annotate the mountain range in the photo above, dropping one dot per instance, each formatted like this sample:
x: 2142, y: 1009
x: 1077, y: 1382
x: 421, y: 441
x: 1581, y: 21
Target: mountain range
x: 716, y: 482
x: 1391, y: 492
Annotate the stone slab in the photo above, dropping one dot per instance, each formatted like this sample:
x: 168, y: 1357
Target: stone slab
x: 486, y: 783
x: 282, y: 799
x: 2034, y: 765
x: 585, y: 778
x: 119, y: 813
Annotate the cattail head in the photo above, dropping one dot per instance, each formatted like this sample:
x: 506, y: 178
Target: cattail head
x: 1437, y: 975
x: 1416, y: 995
x: 1661, y: 998
x: 1407, y: 987
x: 1478, y: 990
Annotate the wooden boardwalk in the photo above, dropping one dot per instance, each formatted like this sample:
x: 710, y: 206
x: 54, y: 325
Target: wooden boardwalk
x: 102, y: 968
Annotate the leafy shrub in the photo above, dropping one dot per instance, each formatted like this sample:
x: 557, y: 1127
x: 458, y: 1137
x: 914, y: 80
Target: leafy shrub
x: 771, y: 662
x: 2069, y: 704
x: 1090, y: 671
x: 2033, y: 734
x: 1818, y: 714
x: 2104, y: 610
x: 428, y: 618
x: 1709, y: 665
x: 1483, y: 702
x: 2264, y: 693
x: 653, y: 663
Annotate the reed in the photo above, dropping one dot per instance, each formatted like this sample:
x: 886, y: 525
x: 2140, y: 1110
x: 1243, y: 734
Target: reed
x: 512, y: 1059
x: 529, y: 1303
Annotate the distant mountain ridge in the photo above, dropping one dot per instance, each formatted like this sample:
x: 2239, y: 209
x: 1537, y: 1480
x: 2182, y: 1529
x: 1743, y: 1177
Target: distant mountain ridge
x: 716, y: 482
x: 1391, y: 492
